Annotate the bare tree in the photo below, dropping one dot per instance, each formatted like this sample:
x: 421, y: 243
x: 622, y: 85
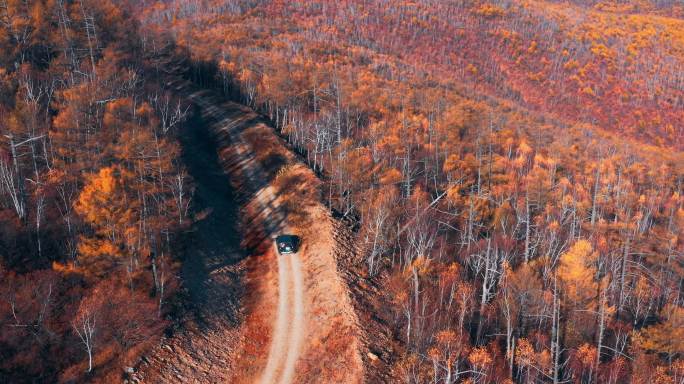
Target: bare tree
x: 85, y: 326
x: 170, y: 114
x: 182, y: 197
x: 11, y: 186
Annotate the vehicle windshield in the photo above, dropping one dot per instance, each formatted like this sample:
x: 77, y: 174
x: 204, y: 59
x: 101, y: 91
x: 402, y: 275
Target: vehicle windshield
x: 287, y: 243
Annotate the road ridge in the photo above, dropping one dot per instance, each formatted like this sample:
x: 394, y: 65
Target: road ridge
x: 278, y: 344
x: 296, y: 331
x: 300, y: 327
x: 288, y: 332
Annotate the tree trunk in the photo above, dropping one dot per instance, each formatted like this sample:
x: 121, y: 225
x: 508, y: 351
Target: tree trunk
x: 594, y: 197
x: 555, y: 347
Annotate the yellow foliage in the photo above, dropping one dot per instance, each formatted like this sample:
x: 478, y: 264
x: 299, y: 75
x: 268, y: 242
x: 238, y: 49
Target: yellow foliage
x: 538, y: 77
x: 390, y: 176
x: 471, y: 69
x: 570, y: 65
x: 65, y: 269
x: 524, y: 148
x: 489, y: 11
x: 577, y: 272
x: 96, y: 201
x: 524, y: 352
x: 480, y: 358
x: 105, y: 206
x: 446, y: 337
x: 666, y: 337
x: 421, y: 265
x: 602, y: 51
x: 586, y: 354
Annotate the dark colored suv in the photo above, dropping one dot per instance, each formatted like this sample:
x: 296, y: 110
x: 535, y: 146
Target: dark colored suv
x: 287, y: 244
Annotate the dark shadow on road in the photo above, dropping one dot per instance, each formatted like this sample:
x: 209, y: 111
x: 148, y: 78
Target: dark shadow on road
x: 215, y: 241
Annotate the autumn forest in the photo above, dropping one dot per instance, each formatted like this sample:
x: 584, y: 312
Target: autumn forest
x: 511, y: 172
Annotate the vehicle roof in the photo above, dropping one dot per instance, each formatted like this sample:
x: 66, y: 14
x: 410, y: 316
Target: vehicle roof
x: 286, y: 238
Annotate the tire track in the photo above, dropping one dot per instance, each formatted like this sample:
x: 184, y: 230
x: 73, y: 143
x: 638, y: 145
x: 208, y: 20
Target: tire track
x: 289, y: 329
x: 280, y: 331
x: 297, y: 329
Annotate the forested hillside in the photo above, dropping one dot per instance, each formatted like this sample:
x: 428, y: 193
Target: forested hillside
x: 92, y: 193
x: 616, y: 65
x: 514, y: 168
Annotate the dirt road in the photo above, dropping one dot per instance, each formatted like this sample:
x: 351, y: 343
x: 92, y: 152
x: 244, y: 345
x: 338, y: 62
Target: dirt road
x: 289, y: 326
x: 290, y: 323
